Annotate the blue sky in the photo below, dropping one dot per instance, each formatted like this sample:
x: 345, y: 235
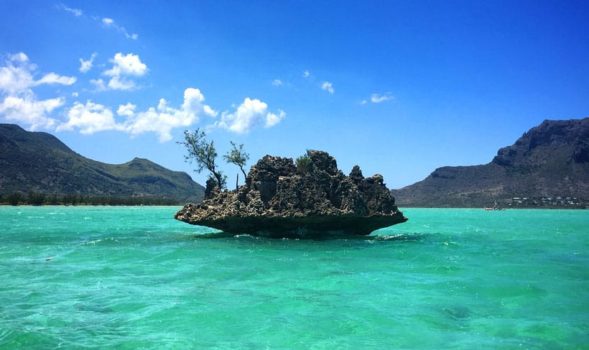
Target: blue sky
x: 398, y: 87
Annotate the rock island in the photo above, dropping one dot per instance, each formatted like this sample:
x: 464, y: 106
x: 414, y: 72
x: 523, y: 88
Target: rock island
x: 311, y: 198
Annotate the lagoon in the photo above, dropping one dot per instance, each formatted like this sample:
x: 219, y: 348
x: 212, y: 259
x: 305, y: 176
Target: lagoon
x: 133, y: 277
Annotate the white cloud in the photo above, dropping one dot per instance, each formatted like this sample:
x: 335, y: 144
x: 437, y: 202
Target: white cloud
x: 72, y: 11
x: 28, y: 110
x: 128, y: 64
x: 273, y: 119
x: 18, y: 57
x: 110, y: 23
x: 86, y: 65
x: 327, y: 86
x: 247, y: 115
x: 163, y: 118
x: 378, y: 98
x: 192, y: 98
x: 277, y: 82
x: 118, y: 83
x: 124, y: 67
x: 89, y: 118
x: 126, y: 110
x: 17, y: 75
x: 306, y: 74
x: 92, y: 117
x: 19, y: 103
x: 209, y: 111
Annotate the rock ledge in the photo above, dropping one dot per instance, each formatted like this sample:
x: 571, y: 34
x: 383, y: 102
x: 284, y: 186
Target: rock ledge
x: 281, y: 200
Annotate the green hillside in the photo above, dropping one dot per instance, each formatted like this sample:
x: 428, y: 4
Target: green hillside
x: 39, y: 162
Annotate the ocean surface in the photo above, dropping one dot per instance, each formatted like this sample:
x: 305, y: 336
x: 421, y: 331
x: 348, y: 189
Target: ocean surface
x: 133, y: 277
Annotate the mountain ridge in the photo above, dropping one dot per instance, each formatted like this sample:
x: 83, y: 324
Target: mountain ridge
x: 547, y: 162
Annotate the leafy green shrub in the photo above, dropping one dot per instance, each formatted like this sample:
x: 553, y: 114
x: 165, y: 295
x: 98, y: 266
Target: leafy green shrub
x: 303, y: 164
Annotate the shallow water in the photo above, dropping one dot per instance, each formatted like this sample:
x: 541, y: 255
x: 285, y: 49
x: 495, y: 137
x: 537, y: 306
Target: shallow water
x: 132, y: 277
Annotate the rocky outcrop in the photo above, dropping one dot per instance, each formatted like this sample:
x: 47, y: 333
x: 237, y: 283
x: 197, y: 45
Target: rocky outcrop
x: 313, y: 197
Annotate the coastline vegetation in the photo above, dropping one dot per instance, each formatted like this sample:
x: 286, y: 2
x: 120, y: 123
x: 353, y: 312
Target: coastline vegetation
x: 38, y: 199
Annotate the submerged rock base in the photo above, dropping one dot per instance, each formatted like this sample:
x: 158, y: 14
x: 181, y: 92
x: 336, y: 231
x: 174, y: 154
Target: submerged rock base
x: 313, y: 198
x: 309, y: 226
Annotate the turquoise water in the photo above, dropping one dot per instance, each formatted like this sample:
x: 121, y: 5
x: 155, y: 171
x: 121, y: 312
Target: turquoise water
x: 132, y: 277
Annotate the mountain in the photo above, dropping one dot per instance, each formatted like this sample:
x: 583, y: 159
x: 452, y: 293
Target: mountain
x: 546, y: 165
x: 40, y: 162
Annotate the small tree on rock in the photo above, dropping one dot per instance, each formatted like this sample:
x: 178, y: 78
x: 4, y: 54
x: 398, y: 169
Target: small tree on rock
x: 203, y: 153
x: 237, y: 156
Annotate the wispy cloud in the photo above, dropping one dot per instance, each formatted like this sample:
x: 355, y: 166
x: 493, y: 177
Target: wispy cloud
x: 277, y: 82
x: 86, y: 65
x: 325, y: 85
x: 106, y: 22
x: 110, y: 23
x: 73, y: 11
x: 99, y: 84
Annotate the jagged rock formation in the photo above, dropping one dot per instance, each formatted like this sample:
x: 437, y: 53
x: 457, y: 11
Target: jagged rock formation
x: 546, y: 165
x: 280, y: 200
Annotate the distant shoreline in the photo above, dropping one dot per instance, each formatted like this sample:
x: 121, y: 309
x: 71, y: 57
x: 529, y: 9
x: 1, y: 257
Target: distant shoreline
x: 41, y: 199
